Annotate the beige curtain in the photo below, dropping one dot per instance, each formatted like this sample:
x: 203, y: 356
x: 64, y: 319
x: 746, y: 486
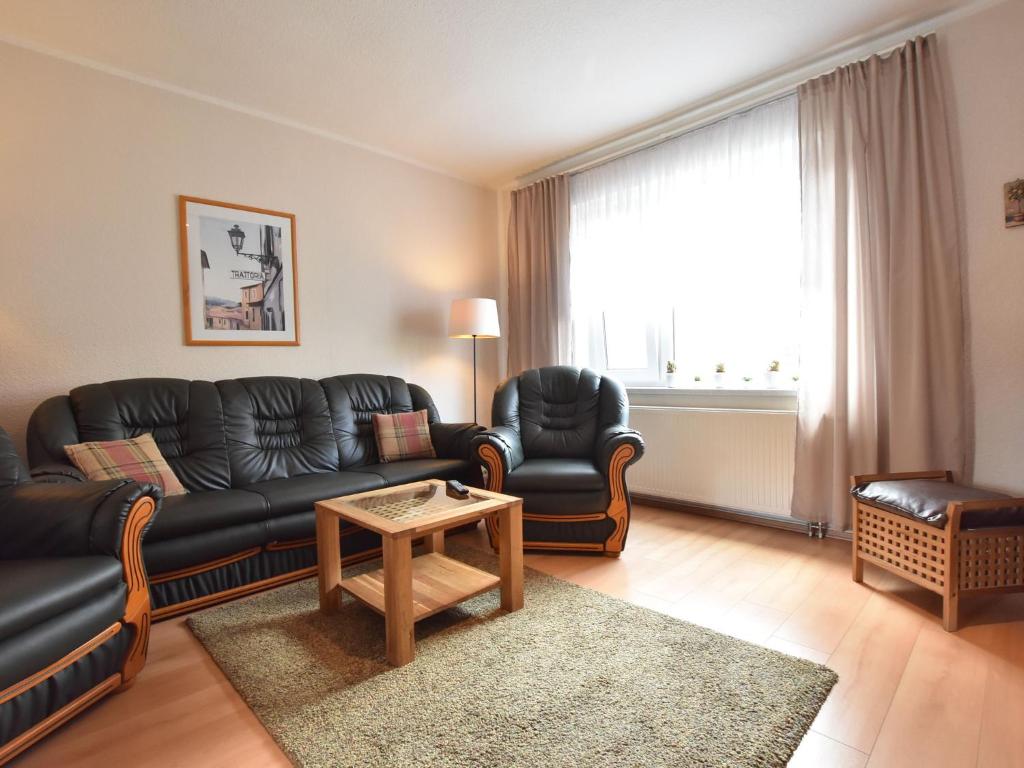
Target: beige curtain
x: 882, y: 380
x: 538, y: 276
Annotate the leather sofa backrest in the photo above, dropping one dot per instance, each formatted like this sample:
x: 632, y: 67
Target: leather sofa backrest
x: 12, y: 469
x: 353, y: 400
x: 276, y: 427
x: 557, y: 411
x: 184, y: 417
x: 235, y: 432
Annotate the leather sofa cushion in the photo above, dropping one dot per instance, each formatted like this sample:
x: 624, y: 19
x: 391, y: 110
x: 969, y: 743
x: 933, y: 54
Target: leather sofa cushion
x: 298, y: 494
x: 186, y: 551
x: 199, y: 512
x: 926, y: 500
x: 565, y: 503
x: 353, y: 399
x: 276, y: 427
x: 296, y: 527
x: 398, y: 472
x: 35, y: 704
x: 184, y: 417
x: 12, y: 469
x: 32, y: 591
x: 555, y: 475
x: 39, y: 646
x: 558, y: 412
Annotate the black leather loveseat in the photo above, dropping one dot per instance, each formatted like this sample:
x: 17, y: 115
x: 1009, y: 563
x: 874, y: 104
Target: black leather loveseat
x: 74, y: 608
x: 255, y: 455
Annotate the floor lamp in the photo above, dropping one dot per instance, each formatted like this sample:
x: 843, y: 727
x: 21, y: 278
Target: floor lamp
x: 474, y: 319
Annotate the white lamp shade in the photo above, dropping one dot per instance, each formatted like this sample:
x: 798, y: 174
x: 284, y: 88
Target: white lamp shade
x: 474, y: 317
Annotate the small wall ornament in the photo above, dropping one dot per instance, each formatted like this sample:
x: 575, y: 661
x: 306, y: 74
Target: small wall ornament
x: 1013, y: 201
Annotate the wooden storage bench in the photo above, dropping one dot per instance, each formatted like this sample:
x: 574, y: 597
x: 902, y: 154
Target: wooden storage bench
x: 951, y: 539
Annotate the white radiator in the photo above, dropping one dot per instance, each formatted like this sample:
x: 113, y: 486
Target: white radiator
x: 737, y: 459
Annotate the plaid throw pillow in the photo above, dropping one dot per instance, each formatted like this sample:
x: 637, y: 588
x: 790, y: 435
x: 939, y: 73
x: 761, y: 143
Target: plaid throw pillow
x: 137, y: 458
x: 403, y: 436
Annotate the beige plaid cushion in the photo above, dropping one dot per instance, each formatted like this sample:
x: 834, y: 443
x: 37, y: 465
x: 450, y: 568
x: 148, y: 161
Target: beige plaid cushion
x: 137, y: 458
x: 403, y: 436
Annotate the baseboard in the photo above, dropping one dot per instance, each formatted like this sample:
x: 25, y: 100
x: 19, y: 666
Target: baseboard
x: 736, y: 515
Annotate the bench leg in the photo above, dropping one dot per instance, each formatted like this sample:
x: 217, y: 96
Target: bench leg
x: 856, y: 563
x: 951, y: 612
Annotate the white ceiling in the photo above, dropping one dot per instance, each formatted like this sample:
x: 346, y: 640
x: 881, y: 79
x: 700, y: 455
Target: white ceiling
x: 484, y: 90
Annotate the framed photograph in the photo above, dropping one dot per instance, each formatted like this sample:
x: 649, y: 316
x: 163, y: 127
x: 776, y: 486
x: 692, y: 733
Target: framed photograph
x: 238, y: 273
x: 1013, y: 203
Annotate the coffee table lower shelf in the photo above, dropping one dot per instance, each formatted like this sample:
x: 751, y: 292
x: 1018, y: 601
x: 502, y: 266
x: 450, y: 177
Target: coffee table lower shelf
x: 438, y: 582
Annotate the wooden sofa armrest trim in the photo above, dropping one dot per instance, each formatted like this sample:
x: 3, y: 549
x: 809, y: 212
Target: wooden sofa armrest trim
x: 618, y: 509
x: 137, y: 604
x: 495, y: 479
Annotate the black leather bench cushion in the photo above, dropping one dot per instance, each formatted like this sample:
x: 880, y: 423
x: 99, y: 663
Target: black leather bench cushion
x: 193, y: 513
x: 398, y: 472
x: 32, y: 591
x: 290, y: 495
x: 554, y: 475
x: 926, y: 500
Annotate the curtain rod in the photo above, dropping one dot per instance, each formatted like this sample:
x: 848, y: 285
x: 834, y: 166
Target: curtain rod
x: 751, y: 94
x: 720, y: 118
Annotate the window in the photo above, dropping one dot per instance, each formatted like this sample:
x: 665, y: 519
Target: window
x: 690, y: 251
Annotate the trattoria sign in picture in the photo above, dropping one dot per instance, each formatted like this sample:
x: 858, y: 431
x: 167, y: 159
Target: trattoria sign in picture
x: 239, y: 274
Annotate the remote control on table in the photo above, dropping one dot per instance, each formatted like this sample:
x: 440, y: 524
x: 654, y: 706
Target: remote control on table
x: 456, y: 489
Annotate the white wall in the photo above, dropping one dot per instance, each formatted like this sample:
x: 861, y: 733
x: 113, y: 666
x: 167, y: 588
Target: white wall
x: 90, y: 166
x: 987, y: 83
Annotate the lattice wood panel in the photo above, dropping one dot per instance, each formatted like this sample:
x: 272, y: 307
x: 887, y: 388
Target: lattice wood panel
x: 907, y: 546
x: 989, y: 560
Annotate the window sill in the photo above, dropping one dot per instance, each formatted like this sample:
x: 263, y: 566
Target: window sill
x: 711, y: 391
x: 753, y: 399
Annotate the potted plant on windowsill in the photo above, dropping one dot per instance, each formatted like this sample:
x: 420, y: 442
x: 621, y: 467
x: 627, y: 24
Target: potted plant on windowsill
x: 773, y: 374
x: 670, y: 373
x: 720, y: 375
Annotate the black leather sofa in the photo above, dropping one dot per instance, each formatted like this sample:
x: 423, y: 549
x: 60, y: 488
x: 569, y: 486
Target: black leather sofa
x: 255, y: 454
x: 74, y: 607
x: 562, y: 443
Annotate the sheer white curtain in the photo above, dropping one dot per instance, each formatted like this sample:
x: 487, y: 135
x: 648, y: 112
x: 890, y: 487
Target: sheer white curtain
x: 690, y: 250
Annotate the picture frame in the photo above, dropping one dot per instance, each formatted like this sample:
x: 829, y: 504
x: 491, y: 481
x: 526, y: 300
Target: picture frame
x: 239, y: 274
x: 1013, y: 203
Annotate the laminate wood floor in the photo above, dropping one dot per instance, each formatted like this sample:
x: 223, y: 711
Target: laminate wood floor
x: 909, y: 693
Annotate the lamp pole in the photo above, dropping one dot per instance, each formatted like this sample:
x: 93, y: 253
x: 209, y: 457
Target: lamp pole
x: 474, y: 380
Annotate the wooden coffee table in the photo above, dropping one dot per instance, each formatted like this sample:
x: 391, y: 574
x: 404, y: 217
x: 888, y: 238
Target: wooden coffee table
x: 408, y: 589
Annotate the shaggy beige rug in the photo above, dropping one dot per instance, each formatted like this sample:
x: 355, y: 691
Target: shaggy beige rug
x: 576, y: 678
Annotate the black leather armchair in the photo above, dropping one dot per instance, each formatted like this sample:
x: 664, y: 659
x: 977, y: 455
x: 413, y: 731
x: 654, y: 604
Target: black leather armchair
x: 74, y: 605
x: 562, y: 443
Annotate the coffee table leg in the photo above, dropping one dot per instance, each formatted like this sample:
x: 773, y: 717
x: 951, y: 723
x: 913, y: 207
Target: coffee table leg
x: 398, y: 619
x: 510, y: 537
x: 434, y: 542
x: 328, y: 556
